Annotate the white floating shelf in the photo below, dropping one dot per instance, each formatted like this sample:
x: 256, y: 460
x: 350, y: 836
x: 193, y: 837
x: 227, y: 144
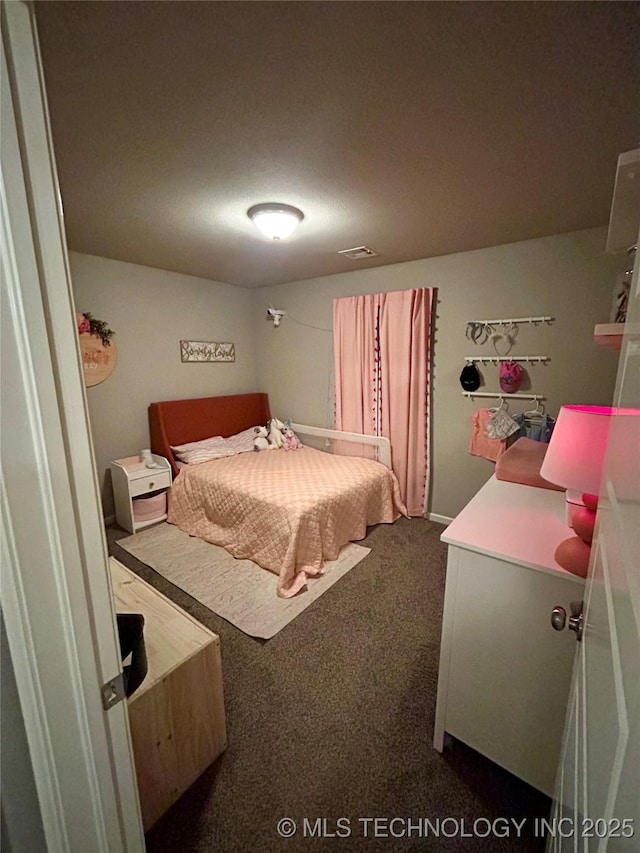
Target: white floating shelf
x: 609, y: 335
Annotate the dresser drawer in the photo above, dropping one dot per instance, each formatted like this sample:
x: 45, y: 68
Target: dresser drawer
x: 154, y: 480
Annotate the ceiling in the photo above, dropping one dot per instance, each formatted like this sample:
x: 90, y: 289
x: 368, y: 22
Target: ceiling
x: 415, y: 128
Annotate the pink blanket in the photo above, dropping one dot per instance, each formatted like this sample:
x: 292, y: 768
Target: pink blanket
x: 288, y: 512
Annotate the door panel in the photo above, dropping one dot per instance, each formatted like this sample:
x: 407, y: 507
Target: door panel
x: 598, y: 782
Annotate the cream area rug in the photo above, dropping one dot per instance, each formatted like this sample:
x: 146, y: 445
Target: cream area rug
x: 238, y: 590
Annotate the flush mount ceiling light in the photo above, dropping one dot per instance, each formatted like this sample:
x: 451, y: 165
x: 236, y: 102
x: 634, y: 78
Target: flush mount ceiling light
x: 276, y: 221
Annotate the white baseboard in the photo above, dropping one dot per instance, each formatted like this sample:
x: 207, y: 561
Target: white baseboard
x: 109, y: 520
x: 439, y: 519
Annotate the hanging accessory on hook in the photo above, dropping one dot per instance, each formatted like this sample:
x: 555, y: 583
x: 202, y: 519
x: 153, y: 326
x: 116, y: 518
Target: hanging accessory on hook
x: 510, y: 377
x: 503, y: 338
x: 538, y: 412
x: 536, y: 424
x: 476, y: 332
x: 470, y: 377
x: 502, y: 425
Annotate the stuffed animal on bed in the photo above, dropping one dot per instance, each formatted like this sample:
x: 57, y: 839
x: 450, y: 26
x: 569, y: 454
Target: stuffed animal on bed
x: 261, y: 441
x: 276, y: 437
x: 291, y: 440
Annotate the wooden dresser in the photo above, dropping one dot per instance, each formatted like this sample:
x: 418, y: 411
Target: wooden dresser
x: 177, y: 715
x: 505, y: 674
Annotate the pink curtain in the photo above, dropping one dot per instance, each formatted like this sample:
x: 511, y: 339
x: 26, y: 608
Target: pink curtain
x: 382, y: 346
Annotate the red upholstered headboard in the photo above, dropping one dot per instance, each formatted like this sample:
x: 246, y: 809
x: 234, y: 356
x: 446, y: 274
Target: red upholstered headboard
x: 176, y: 422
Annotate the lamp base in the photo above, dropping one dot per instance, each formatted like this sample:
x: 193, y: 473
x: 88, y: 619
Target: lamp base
x: 573, y: 555
x: 573, y: 502
x: 576, y: 501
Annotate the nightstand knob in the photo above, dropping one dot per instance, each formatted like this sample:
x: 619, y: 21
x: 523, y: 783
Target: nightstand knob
x: 558, y: 618
x: 151, y: 484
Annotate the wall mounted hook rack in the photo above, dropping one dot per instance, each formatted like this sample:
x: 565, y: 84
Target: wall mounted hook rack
x: 498, y: 358
x: 498, y: 396
x: 513, y: 320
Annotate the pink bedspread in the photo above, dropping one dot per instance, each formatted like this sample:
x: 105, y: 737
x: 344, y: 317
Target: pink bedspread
x: 286, y: 511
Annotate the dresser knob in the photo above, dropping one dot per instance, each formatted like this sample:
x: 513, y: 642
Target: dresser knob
x: 151, y: 484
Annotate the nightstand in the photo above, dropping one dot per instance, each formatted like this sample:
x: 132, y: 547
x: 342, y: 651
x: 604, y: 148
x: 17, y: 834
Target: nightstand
x: 132, y: 481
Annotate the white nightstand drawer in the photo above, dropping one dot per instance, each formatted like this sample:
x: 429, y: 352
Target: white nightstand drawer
x: 154, y: 480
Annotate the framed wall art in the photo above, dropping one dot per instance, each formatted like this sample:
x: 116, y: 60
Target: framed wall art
x: 205, y: 351
x: 99, y: 353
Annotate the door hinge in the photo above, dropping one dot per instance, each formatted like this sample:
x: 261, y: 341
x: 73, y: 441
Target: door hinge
x: 113, y: 692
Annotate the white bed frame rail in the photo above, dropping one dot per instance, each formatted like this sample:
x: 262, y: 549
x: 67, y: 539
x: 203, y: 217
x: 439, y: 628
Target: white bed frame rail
x: 378, y: 442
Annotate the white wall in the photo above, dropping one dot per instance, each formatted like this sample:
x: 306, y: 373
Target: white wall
x: 566, y: 276
x: 150, y: 311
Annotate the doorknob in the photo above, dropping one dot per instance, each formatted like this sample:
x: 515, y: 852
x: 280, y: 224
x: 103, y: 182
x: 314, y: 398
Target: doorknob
x: 558, y: 618
x: 576, y: 620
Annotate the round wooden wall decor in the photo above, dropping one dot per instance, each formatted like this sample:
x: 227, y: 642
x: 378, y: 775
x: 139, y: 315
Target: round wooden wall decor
x: 98, y: 360
x: 99, y: 353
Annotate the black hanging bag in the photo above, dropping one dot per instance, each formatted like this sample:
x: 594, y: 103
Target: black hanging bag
x: 131, y: 635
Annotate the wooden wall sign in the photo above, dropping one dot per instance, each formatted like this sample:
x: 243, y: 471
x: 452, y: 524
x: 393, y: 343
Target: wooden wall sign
x: 207, y: 351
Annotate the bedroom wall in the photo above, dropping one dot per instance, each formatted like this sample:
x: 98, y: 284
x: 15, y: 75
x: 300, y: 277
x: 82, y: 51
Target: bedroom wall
x: 150, y: 311
x: 567, y: 276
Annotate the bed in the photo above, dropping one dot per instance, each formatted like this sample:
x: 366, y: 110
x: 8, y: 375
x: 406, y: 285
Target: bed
x: 289, y: 512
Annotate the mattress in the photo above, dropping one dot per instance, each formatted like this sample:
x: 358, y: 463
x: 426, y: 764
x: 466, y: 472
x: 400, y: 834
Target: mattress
x: 289, y: 512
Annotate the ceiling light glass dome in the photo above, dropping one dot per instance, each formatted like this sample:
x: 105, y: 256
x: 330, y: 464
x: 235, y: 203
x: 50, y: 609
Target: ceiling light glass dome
x: 276, y: 221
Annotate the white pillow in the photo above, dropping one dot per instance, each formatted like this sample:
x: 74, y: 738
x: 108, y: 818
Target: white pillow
x: 215, y: 447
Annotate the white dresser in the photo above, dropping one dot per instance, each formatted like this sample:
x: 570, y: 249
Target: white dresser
x: 505, y: 673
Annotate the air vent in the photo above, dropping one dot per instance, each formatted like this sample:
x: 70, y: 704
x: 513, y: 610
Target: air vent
x: 358, y: 254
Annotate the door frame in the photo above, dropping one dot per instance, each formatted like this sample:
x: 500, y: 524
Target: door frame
x: 56, y: 591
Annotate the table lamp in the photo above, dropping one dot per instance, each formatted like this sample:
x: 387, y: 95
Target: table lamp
x: 575, y: 459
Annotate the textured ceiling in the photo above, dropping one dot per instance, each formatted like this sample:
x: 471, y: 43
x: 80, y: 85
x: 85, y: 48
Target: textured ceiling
x: 416, y: 128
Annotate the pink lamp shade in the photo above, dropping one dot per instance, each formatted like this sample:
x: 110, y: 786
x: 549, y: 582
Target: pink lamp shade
x: 576, y: 452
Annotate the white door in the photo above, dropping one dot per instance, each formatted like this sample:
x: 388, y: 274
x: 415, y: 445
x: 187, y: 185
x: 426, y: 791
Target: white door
x: 597, y: 798
x: 56, y: 595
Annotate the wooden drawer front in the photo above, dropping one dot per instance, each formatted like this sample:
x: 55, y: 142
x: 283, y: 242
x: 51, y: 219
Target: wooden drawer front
x: 154, y: 480
x: 177, y: 731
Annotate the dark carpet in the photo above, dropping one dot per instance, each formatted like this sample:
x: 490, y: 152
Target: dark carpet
x: 333, y: 718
